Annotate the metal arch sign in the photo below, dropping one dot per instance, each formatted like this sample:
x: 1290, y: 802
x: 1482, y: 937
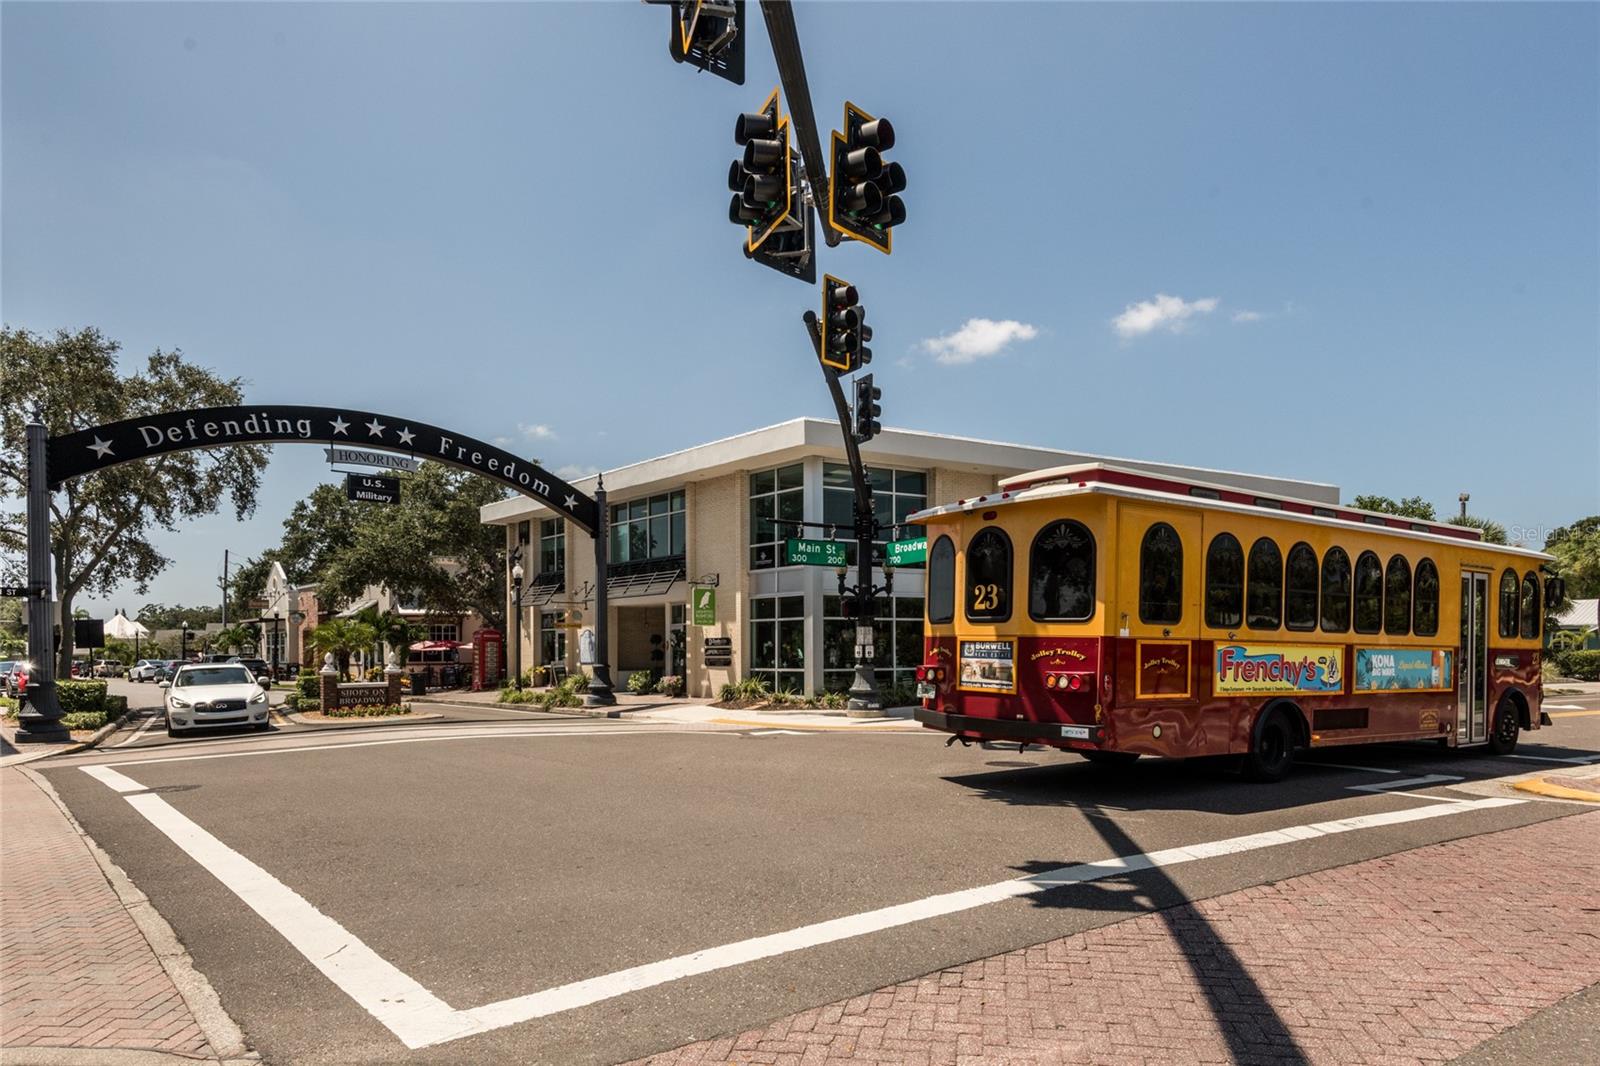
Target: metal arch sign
x: 85, y: 451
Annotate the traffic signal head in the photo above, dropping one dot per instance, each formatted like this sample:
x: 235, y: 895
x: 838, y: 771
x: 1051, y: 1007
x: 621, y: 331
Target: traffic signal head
x: 863, y: 200
x: 867, y: 409
x: 842, y: 326
x: 707, y: 34
x: 763, y: 179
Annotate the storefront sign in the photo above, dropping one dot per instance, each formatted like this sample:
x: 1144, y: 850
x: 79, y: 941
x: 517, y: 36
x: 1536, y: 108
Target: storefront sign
x: 371, y: 488
x: 987, y: 666
x: 361, y: 457
x: 799, y: 552
x: 1404, y: 669
x: 704, y: 606
x: 718, y: 651
x: 1251, y: 668
x: 905, y: 552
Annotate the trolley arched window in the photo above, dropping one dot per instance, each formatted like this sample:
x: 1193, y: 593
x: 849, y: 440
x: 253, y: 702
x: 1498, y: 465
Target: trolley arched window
x: 989, y: 576
x: 1224, y: 582
x: 1530, y: 607
x: 942, y: 581
x: 1300, y: 588
x: 1368, y: 593
x: 1263, y: 587
x: 1425, y: 612
x: 1336, y: 591
x: 1061, y: 573
x: 1397, y: 597
x: 1161, y: 576
x: 1509, y: 587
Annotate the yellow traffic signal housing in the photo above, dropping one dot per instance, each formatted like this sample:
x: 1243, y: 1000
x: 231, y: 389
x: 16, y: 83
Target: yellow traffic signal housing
x: 862, y: 204
x: 840, y: 325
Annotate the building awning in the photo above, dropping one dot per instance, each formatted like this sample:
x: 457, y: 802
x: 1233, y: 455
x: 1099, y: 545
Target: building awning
x: 648, y: 577
x: 543, y: 588
x: 436, y: 645
x: 355, y: 609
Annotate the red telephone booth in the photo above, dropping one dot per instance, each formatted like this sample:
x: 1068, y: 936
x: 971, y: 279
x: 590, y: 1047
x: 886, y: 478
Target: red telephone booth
x: 488, y: 659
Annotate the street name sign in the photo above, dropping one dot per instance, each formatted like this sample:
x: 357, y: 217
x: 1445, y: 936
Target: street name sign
x: 704, y: 599
x: 371, y: 488
x: 798, y: 552
x: 363, y: 457
x: 13, y: 592
x: 902, y: 552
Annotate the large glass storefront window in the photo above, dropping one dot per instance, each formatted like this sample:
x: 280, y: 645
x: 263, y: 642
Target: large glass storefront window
x: 552, y: 638
x: 895, y: 494
x: 649, y: 528
x: 778, y: 641
x: 897, y: 640
x: 776, y: 496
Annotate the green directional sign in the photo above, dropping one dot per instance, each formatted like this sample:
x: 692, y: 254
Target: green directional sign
x: 799, y: 552
x: 704, y: 602
x: 905, y: 552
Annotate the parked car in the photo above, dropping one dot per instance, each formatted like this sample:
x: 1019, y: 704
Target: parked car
x: 16, y: 681
x: 108, y: 668
x: 164, y: 669
x: 7, y: 668
x: 258, y: 667
x: 144, y: 670
x: 210, y: 695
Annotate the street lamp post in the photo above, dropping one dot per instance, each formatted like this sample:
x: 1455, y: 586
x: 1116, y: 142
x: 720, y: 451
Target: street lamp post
x: 516, y: 618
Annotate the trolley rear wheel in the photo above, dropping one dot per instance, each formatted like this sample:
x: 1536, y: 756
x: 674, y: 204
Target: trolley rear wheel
x: 1271, y: 748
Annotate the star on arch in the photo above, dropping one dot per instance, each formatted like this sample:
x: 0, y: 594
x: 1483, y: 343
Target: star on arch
x: 339, y: 425
x: 571, y: 502
x: 101, y: 448
x: 405, y: 435
x: 375, y: 428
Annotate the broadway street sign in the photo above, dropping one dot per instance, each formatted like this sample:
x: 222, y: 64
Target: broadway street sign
x: 903, y: 552
x: 363, y: 457
x: 371, y: 488
x: 88, y: 450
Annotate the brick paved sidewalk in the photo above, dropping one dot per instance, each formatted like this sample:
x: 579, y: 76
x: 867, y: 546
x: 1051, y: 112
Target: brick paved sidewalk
x: 76, y: 970
x: 1412, y: 958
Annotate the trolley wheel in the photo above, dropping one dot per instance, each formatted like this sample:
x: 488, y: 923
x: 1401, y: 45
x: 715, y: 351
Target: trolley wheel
x: 1111, y: 758
x: 1503, y: 735
x: 1271, y: 748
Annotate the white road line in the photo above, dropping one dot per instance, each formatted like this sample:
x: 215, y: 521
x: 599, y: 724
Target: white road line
x: 421, y: 1019
x: 154, y: 718
x: 1584, y: 760
x: 779, y: 733
x: 1348, y: 766
x: 1407, y: 783
x: 1564, y: 707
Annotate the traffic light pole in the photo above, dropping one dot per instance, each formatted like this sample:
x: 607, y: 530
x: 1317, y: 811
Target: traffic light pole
x: 792, y: 73
x: 40, y: 719
x: 864, y: 699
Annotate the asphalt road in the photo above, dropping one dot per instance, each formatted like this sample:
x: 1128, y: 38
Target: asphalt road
x: 489, y: 857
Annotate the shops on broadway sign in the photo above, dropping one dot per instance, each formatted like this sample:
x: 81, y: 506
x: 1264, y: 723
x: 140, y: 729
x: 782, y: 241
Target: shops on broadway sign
x: 85, y: 451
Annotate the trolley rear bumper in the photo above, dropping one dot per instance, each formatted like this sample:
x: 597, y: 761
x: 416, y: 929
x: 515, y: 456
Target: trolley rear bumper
x: 1004, y: 729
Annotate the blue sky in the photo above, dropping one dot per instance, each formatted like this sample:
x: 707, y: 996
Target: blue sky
x: 1354, y: 243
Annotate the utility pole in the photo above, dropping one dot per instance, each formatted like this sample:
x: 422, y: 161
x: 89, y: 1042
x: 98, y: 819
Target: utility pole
x: 224, y: 588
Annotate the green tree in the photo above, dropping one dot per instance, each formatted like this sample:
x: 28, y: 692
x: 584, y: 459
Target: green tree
x: 13, y: 645
x: 1491, y: 531
x: 243, y: 638
x: 1577, y: 551
x: 1410, y: 507
x: 102, y: 523
x: 393, y: 629
x: 342, y: 637
x: 433, y: 544
x: 160, y: 616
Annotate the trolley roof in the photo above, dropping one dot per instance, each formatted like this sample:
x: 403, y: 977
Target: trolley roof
x: 1108, y: 479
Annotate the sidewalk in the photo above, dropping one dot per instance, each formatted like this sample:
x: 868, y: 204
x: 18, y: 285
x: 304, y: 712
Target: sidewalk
x: 693, y: 712
x: 88, y: 971
x: 1409, y: 959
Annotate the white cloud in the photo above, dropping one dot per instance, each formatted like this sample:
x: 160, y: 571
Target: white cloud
x: 536, y: 431
x: 1171, y: 313
x: 574, y: 471
x: 1247, y: 316
x: 979, y: 338
x: 501, y: 441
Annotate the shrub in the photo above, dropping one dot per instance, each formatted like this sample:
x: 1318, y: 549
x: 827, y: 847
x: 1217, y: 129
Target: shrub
x: 639, y: 682
x: 83, y: 719
x: 1579, y: 665
x: 833, y: 701
x: 754, y: 688
x: 82, y: 696
x: 728, y: 693
x: 309, y: 685
x: 897, y: 695
x: 291, y: 702
x: 370, y: 710
x: 116, y: 707
x: 670, y: 685
x: 786, y: 698
x: 8, y: 707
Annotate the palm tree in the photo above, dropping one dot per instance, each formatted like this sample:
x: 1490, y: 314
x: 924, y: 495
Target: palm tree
x: 342, y: 636
x: 239, y: 638
x: 393, y: 629
x: 1491, y: 531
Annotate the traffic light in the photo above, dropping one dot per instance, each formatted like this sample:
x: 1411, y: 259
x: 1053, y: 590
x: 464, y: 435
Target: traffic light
x: 862, y: 187
x: 708, y: 34
x: 762, y: 181
x: 844, y: 327
x: 867, y: 409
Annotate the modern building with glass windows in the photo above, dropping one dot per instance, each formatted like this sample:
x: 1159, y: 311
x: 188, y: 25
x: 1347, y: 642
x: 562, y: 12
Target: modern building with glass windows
x: 716, y: 516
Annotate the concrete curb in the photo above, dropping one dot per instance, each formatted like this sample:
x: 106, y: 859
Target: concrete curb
x: 67, y: 749
x: 588, y: 712
x: 221, y: 1032
x: 1541, y: 787
x: 343, y: 723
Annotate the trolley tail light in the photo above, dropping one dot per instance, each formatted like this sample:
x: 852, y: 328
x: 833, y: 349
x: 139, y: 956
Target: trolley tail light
x: 934, y: 674
x: 1069, y: 681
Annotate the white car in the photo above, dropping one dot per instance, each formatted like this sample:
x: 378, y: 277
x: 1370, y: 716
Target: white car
x: 144, y: 670
x: 209, y: 695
